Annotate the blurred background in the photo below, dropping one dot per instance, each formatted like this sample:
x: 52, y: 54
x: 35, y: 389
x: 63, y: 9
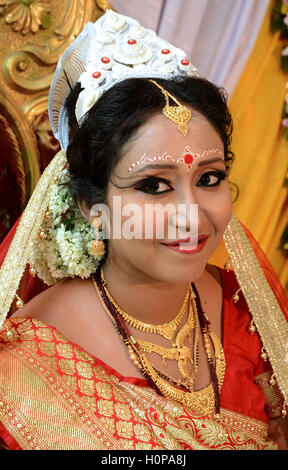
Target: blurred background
x: 241, y: 45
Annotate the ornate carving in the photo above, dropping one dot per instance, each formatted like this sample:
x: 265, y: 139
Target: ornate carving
x: 25, y: 15
x: 37, y: 115
x: 24, y: 138
x: 15, y: 150
x: 12, y: 177
x: 103, y: 5
x: 18, y: 65
x: 42, y: 128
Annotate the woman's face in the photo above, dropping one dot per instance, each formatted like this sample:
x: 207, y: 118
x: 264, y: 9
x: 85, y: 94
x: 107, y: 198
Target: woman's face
x: 188, y: 181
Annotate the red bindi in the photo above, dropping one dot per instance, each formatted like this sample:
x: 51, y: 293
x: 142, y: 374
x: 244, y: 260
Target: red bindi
x: 188, y: 158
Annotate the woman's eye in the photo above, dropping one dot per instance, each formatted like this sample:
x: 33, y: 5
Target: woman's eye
x: 155, y: 186
x: 212, y: 178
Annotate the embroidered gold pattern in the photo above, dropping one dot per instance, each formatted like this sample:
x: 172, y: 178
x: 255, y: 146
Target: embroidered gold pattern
x: 65, y: 350
x: 86, y: 386
x: 47, y: 348
x: 104, y: 390
x: 85, y: 370
x: 105, y: 407
x: 123, y: 411
x: 124, y: 429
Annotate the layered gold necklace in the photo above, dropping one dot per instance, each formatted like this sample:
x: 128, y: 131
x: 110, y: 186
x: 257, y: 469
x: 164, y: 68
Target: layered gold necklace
x: 167, y: 330
x: 182, y: 390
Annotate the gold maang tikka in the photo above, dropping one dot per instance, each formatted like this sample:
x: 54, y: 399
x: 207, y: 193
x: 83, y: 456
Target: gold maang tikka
x: 179, y: 114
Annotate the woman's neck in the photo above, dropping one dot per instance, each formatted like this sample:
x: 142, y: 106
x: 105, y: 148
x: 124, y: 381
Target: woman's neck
x: 152, y: 302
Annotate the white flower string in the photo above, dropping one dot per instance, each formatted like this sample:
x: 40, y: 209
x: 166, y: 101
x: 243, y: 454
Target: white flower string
x: 64, y: 252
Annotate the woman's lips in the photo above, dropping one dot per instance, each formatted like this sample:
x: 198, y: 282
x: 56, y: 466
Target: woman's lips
x: 182, y: 246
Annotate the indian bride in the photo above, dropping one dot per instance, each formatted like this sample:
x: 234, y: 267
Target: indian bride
x: 116, y: 335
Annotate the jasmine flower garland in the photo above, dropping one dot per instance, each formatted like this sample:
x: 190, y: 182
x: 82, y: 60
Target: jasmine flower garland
x: 65, y: 250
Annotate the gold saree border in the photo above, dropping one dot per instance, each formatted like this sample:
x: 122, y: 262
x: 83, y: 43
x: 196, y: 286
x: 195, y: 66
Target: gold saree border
x: 269, y: 319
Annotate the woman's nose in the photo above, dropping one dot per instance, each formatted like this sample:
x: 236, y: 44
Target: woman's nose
x: 186, y: 211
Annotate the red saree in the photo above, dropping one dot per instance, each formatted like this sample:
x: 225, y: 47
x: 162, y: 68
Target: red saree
x: 54, y: 395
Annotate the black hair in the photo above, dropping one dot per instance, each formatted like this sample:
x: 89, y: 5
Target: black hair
x: 96, y: 144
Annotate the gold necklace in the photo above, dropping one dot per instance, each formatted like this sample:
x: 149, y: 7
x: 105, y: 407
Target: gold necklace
x: 179, y: 351
x: 202, y: 401
x: 167, y: 330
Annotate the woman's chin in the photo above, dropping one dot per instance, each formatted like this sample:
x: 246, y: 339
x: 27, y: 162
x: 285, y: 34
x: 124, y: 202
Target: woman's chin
x: 177, y: 269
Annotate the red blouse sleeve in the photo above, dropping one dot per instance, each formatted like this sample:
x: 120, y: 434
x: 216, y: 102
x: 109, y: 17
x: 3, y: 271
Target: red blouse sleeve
x: 242, y: 349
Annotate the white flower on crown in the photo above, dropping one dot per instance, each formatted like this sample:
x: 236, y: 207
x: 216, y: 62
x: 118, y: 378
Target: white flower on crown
x: 91, y: 80
x: 114, y: 22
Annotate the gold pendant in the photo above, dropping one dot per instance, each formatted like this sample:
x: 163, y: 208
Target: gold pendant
x: 179, y: 352
x: 201, y: 401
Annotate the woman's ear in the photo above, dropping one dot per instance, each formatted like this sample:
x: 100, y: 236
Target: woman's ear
x: 85, y: 209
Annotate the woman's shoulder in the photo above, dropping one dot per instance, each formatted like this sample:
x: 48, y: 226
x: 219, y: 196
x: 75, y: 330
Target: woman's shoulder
x: 64, y: 296
x: 224, y: 277
x: 214, y: 271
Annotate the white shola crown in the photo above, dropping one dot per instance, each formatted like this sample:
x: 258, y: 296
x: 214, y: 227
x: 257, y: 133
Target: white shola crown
x: 112, y: 49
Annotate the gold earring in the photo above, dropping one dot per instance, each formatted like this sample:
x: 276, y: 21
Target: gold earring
x: 227, y: 265
x: 235, y: 296
x: 97, y: 247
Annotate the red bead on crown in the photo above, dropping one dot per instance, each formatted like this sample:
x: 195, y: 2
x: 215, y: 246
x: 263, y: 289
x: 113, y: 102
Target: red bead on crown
x: 96, y: 74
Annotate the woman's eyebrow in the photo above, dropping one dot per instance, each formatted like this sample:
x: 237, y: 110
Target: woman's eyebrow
x: 212, y: 160
x: 169, y: 166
